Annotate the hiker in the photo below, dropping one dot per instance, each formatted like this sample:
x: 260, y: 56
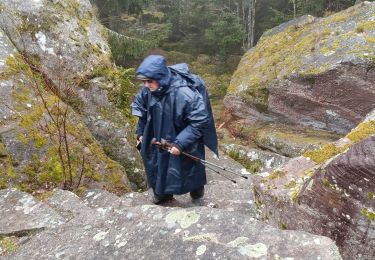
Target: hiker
x: 173, y: 108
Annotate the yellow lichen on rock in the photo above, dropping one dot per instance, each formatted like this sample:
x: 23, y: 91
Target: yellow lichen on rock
x: 183, y: 217
x: 326, y: 152
x: 362, y: 131
x: 302, y: 49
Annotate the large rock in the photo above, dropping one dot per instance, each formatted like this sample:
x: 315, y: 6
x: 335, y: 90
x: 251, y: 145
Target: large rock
x: 21, y: 213
x: 70, y: 206
x: 60, y: 46
x: 220, y: 192
x: 329, y: 192
x: 314, y: 72
x: 255, y: 160
x: 154, y: 232
x: 292, y: 141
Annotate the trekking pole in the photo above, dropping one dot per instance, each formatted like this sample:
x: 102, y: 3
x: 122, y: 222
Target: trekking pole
x: 165, y: 148
x: 204, y: 162
x: 216, y: 171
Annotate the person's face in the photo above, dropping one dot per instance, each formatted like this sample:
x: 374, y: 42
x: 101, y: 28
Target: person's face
x: 151, y: 84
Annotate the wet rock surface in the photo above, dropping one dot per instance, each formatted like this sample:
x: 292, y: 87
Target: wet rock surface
x: 292, y: 141
x: 325, y: 82
x: 151, y: 231
x: 334, y: 197
x: 22, y: 213
x: 63, y: 44
x: 329, y: 193
x: 322, y: 101
x: 101, y: 225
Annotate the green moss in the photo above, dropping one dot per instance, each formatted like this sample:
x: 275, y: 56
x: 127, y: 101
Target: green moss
x: 282, y: 226
x: 370, y: 39
x: 31, y: 24
x: 365, y: 26
x: 359, y: 29
x: 256, y: 96
x: 326, y: 183
x: 276, y: 175
x: 315, y: 71
x: 8, y: 244
x: 115, y: 182
x: 335, y: 45
x: 294, y: 195
x: 3, y: 184
x: 370, y: 195
x: 71, y: 7
x: 26, y: 26
x: 267, y: 60
x: 51, y: 172
x: 7, y: 172
x: 258, y: 204
x: 291, y: 184
x: 338, y: 18
x: 122, y: 88
x: 279, y: 136
x: 368, y: 213
x: 326, y: 152
x: 325, y: 50
x: 15, y: 65
x: 362, y: 131
x: 272, y: 58
x: 252, y: 166
x: 44, y: 195
x: 3, y: 152
x: 24, y: 187
x: 84, y: 24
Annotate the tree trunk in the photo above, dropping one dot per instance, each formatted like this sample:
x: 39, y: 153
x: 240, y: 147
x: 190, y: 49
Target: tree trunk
x: 243, y: 23
x: 251, y: 23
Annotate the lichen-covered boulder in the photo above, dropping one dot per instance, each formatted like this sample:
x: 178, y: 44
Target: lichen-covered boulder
x: 154, y: 232
x: 64, y: 35
x: 22, y: 213
x: 317, y: 72
x: 254, y: 160
x: 58, y: 120
x: 329, y: 191
x: 292, y: 141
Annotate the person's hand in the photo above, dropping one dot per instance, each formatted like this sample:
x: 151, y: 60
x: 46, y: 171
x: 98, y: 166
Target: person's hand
x: 175, y: 151
x: 139, y: 141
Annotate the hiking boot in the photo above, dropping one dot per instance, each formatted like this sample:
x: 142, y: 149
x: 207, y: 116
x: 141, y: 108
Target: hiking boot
x: 197, y: 196
x: 197, y: 193
x: 198, y: 202
x: 159, y: 199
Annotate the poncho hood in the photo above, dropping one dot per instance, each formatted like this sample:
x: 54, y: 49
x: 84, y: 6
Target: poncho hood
x: 155, y: 67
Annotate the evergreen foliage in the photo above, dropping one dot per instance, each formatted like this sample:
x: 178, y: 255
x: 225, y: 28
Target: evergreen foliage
x: 225, y: 35
x: 126, y: 48
x: 214, y: 27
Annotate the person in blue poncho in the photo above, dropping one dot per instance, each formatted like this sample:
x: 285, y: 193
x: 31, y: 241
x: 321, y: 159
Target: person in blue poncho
x: 173, y: 107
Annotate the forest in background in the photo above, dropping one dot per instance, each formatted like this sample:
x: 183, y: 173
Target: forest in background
x: 218, y: 28
x: 210, y: 35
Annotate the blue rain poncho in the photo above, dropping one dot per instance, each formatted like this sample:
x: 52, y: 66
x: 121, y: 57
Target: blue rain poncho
x: 180, y: 113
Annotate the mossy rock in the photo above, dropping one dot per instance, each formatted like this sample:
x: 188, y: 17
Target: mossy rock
x: 254, y: 160
x: 362, y: 131
x: 305, y: 46
x: 292, y: 141
x: 66, y: 54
